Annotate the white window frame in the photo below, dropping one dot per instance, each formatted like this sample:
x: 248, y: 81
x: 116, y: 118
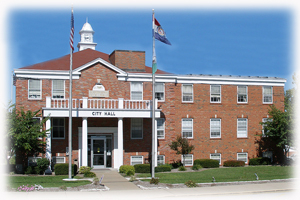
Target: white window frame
x: 242, y: 94
x: 216, y: 154
x: 136, y: 162
x: 160, y: 161
x: 267, y: 95
x: 55, y: 161
x: 38, y: 92
x: 242, y: 159
x: 185, y: 94
x: 216, y: 95
x: 136, y: 91
x: 64, y: 95
x: 187, y: 128
x: 161, y: 128
x: 242, y: 133
x: 214, y: 119
x: 57, y: 138
x: 163, y: 92
x: 132, y: 127
x: 190, y: 160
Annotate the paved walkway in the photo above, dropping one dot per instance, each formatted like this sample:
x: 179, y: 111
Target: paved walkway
x: 113, y: 180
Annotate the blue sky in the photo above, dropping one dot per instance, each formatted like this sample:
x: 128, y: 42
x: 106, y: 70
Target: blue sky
x: 247, y: 42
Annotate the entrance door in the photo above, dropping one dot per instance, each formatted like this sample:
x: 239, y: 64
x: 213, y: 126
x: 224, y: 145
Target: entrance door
x: 98, y: 153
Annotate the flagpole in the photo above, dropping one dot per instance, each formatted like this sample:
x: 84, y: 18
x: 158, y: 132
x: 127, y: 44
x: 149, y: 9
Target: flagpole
x: 70, y: 96
x: 153, y: 101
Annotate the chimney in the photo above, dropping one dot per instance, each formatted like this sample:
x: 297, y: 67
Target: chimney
x: 129, y: 61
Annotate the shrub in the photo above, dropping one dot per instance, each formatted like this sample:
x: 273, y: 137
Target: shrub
x: 176, y: 164
x: 124, y: 168
x: 142, y: 168
x: 89, y: 174
x: 154, y: 181
x: 130, y: 172
x: 84, y: 169
x: 63, y: 169
x: 234, y: 163
x: 260, y: 161
x: 196, y: 167
x: 163, y: 168
x: 182, y: 168
x: 42, y: 165
x: 191, y: 183
x: 30, y: 170
x: 207, y: 163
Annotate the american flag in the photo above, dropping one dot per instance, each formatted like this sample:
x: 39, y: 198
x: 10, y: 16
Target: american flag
x: 72, y: 31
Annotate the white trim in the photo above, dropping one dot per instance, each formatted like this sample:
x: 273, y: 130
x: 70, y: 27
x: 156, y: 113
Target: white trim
x: 220, y: 161
x: 142, y: 157
x: 41, y: 89
x: 237, y: 128
x: 163, y: 119
x: 54, y: 157
x: 220, y: 94
x: 237, y: 94
x: 141, y: 91
x: 163, y: 160
x: 263, y: 89
x: 210, y: 128
x: 164, y: 92
x: 53, y: 87
x: 237, y: 156
x: 189, y: 119
x: 192, y: 93
x: 188, y: 159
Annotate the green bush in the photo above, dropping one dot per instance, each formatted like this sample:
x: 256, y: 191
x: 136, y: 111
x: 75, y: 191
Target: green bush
x: 154, y: 181
x: 191, y: 183
x: 130, y: 172
x: 207, y: 163
x: 89, y: 174
x: 260, y: 161
x: 234, y: 163
x: 124, y: 168
x: 182, y: 168
x: 176, y: 164
x: 163, y: 168
x: 42, y: 165
x: 196, y: 167
x: 84, y: 169
x: 30, y: 170
x: 142, y: 168
x: 63, y: 169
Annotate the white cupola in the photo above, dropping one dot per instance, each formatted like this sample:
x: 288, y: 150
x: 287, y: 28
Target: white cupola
x: 86, y: 38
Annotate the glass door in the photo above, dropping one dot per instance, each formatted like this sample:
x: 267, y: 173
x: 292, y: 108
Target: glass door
x: 98, y: 153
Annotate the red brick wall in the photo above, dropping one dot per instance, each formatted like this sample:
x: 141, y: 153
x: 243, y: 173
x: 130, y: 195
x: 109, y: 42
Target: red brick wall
x: 128, y: 60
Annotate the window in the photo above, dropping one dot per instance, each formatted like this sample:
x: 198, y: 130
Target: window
x: 136, y: 128
x: 58, y: 128
x: 160, y: 128
x: 58, y: 89
x: 216, y: 156
x: 188, y: 160
x: 215, y: 128
x: 57, y: 159
x: 242, y: 127
x: 187, y: 128
x: 242, y: 96
x: 187, y: 93
x: 160, y: 91
x: 34, y: 89
x: 160, y: 160
x: 242, y: 157
x: 215, y: 94
x: 32, y: 161
x: 136, y: 91
x: 136, y: 160
x: 267, y: 94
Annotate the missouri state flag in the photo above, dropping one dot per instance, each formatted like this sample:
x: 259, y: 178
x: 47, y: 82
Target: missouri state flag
x: 159, y: 33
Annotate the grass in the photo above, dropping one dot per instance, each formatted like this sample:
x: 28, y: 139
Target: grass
x: 45, y: 181
x: 230, y: 174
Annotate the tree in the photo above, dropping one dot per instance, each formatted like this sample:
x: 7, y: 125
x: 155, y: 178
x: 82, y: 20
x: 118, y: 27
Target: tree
x: 25, y: 133
x: 181, y: 146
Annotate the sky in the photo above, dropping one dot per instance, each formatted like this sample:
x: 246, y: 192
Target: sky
x: 217, y: 41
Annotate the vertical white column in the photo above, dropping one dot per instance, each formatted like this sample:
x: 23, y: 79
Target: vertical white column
x: 155, y: 142
x: 120, y: 143
x: 84, y: 142
x: 48, y: 140
x: 48, y: 102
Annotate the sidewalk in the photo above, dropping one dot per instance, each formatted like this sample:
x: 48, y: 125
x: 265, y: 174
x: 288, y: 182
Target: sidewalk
x: 113, y: 180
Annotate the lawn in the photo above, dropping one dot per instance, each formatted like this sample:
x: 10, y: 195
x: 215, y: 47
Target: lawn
x: 45, y: 181
x: 226, y: 174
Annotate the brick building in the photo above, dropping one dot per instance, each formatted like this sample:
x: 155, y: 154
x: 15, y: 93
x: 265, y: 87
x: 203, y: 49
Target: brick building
x: 220, y: 115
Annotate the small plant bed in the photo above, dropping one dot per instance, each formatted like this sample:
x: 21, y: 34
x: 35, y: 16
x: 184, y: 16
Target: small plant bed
x: 228, y: 174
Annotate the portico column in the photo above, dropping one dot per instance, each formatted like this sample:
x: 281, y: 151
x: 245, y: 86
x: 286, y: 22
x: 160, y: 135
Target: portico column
x: 84, y: 142
x: 120, y: 143
x: 48, y: 141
